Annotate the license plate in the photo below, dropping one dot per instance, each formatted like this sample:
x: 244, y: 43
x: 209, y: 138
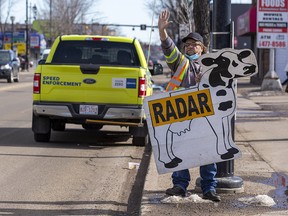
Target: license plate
x: 88, y: 109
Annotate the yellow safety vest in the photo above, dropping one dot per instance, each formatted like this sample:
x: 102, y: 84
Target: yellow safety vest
x: 178, y: 76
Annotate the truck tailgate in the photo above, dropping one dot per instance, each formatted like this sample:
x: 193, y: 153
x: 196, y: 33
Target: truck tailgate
x: 116, y: 85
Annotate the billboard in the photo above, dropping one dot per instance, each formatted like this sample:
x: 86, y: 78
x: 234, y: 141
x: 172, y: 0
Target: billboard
x: 272, y: 19
x: 19, y: 47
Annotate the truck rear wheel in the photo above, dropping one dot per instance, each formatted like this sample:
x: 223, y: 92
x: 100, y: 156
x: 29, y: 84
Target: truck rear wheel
x: 140, y: 141
x: 41, y: 126
x: 58, y: 126
x: 140, y: 136
x: 42, y: 137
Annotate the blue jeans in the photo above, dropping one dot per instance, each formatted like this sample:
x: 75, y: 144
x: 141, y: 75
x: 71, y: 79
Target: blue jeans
x: 207, y: 173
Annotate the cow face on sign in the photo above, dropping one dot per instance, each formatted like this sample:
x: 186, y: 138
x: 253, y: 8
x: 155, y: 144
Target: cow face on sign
x: 228, y: 65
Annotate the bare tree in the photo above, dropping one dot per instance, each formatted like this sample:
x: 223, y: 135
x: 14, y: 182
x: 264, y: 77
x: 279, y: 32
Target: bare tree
x: 180, y: 13
x: 195, y: 13
x: 202, y: 20
x: 67, y: 16
x: 5, y: 5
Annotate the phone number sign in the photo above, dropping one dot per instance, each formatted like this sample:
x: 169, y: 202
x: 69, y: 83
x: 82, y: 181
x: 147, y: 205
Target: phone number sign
x: 272, y: 19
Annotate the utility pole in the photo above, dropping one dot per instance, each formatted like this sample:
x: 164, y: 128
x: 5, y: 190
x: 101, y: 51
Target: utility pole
x: 12, y: 35
x: 27, y: 39
x: 221, y: 38
x: 50, y: 27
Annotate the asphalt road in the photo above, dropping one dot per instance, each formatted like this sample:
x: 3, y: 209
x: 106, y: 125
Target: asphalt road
x: 77, y: 173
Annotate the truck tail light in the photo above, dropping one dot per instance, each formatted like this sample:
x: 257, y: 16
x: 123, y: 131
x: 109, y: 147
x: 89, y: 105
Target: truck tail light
x: 142, y: 87
x: 37, y: 83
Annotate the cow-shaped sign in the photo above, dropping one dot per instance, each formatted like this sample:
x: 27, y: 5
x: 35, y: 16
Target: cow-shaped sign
x: 192, y: 127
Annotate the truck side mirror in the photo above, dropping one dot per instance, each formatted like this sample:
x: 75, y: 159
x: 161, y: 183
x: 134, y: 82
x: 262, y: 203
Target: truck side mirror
x: 157, y: 69
x: 41, y: 62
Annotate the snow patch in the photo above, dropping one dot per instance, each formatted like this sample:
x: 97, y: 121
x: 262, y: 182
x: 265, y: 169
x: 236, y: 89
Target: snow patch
x: 193, y: 198
x: 259, y: 200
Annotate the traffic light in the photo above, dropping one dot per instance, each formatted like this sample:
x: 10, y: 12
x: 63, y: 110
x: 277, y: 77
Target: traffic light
x: 143, y: 27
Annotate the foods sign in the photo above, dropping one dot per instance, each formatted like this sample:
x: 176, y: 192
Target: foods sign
x: 272, y: 19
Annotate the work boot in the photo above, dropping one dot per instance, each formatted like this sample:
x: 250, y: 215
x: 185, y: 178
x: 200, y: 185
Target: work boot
x: 176, y: 191
x: 211, y: 195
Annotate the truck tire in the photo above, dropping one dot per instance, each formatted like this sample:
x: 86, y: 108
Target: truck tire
x: 58, y: 126
x: 42, y: 137
x: 140, y: 141
x: 41, y: 126
x: 140, y: 136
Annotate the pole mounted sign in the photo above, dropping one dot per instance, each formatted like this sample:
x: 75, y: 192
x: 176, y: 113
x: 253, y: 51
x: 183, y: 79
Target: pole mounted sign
x: 272, y: 19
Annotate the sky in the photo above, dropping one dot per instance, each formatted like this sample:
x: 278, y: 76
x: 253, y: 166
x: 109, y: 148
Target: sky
x: 125, y: 12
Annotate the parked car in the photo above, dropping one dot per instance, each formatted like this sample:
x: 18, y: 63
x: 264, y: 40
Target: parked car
x: 9, y: 66
x: 45, y: 54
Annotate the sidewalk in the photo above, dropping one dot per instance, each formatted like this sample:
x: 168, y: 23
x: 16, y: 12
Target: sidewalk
x: 262, y: 135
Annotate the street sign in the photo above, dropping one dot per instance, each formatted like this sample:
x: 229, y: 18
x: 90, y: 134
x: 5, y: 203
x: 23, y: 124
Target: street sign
x: 34, y: 41
x: 272, y: 19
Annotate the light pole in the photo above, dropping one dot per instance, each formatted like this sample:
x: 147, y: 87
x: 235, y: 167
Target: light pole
x: 27, y: 39
x: 50, y: 24
x: 221, y: 27
x: 12, y: 35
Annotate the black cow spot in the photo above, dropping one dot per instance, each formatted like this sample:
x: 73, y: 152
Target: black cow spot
x: 250, y: 69
x: 243, y: 54
x: 205, y: 85
x: 230, y: 83
x: 215, y: 79
x: 234, y: 64
x: 208, y: 61
x: 221, y: 92
x: 237, y: 76
x: 224, y: 106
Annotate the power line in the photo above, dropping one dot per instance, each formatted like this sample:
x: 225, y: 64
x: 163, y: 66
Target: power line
x: 142, y: 26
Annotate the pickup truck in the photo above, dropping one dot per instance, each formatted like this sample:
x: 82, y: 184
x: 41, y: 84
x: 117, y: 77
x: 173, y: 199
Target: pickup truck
x: 92, y: 81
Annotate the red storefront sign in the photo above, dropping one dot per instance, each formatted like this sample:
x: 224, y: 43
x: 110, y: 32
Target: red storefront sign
x: 246, y: 23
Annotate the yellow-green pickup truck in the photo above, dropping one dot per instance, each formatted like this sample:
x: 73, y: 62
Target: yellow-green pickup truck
x: 92, y: 81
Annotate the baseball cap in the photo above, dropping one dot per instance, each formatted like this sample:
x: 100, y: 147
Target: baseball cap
x: 193, y: 35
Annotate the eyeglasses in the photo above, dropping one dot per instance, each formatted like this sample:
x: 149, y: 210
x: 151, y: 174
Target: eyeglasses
x: 192, y: 44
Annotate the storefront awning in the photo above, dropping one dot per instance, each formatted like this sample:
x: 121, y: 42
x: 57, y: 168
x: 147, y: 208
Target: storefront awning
x: 246, y: 23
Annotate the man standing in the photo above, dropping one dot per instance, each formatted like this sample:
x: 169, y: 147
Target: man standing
x: 186, y: 73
